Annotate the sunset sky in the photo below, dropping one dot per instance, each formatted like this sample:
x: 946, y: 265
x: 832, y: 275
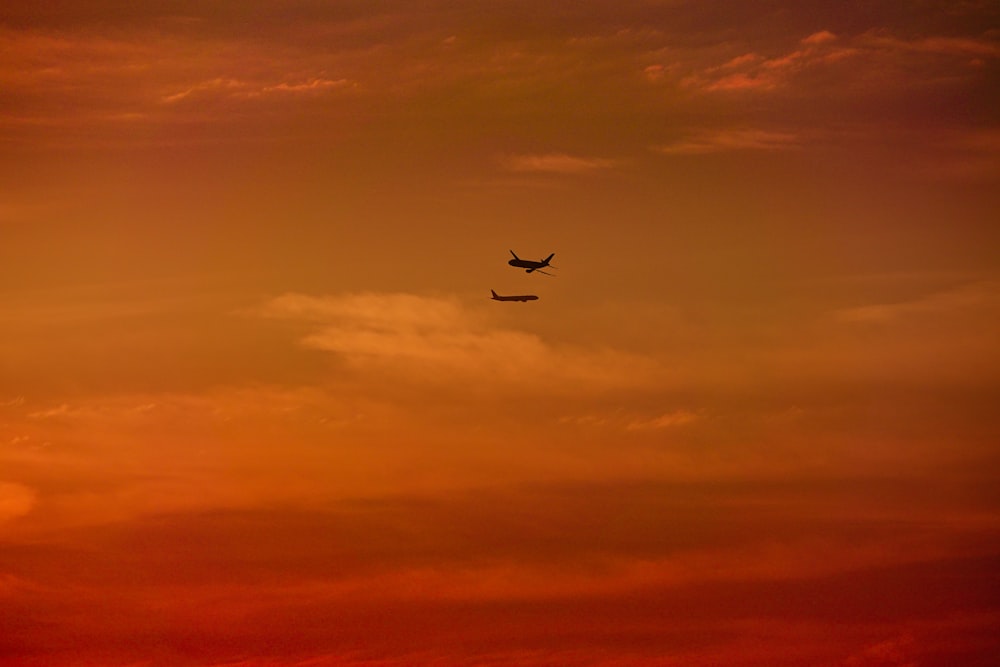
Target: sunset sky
x: 257, y: 408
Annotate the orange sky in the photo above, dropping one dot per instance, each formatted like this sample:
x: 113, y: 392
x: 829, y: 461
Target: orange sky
x: 257, y: 408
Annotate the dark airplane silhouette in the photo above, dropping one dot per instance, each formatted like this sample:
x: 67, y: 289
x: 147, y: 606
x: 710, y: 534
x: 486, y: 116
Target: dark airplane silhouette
x: 531, y: 265
x: 520, y: 297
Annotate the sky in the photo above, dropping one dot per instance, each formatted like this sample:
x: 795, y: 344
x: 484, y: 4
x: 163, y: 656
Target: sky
x: 257, y: 408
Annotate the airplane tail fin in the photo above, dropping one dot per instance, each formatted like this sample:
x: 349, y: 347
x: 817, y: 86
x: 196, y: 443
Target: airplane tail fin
x: 548, y: 259
x: 515, y: 254
x: 493, y: 293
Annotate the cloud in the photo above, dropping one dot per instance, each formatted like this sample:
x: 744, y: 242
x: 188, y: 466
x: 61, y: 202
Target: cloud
x: 914, y: 338
x: 985, y: 140
x: 654, y: 72
x: 242, y: 89
x: 947, y: 46
x: 556, y: 163
x: 887, y: 59
x: 626, y: 420
x: 15, y: 500
x: 752, y: 71
x: 964, y: 299
x: 894, y: 652
x: 971, y: 155
x: 205, y: 86
x: 731, y: 140
x: 435, y: 338
x: 666, y: 420
x: 309, y: 86
x: 821, y: 37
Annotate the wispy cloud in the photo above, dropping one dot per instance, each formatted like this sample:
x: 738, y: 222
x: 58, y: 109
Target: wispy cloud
x: 15, y: 500
x: 243, y: 89
x: 283, y: 576
x: 880, y: 51
x: 437, y: 338
x: 308, y: 86
x: 948, y: 46
x: 556, y: 163
x: 897, y: 651
x: 971, y: 155
x: 731, y: 140
x: 665, y: 420
x: 754, y: 72
x: 968, y: 298
x: 622, y: 420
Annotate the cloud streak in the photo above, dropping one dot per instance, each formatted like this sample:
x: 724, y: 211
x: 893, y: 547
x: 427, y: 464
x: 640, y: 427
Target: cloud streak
x: 725, y: 141
x: 541, y: 568
x: 241, y: 89
x: 878, y: 55
x: 435, y: 339
x: 754, y: 72
x: 556, y: 163
x: 983, y: 297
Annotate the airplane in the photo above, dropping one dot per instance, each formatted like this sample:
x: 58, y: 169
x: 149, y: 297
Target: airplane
x: 531, y: 265
x: 520, y: 297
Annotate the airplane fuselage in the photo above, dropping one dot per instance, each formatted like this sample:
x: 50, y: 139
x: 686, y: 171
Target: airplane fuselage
x: 526, y: 264
x: 529, y: 264
x: 518, y: 297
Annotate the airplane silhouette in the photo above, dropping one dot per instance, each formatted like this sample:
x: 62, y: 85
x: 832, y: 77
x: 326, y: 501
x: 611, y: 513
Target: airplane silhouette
x: 520, y: 297
x: 531, y: 265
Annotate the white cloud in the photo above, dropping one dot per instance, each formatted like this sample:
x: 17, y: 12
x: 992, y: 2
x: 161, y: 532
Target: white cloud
x: 437, y: 339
